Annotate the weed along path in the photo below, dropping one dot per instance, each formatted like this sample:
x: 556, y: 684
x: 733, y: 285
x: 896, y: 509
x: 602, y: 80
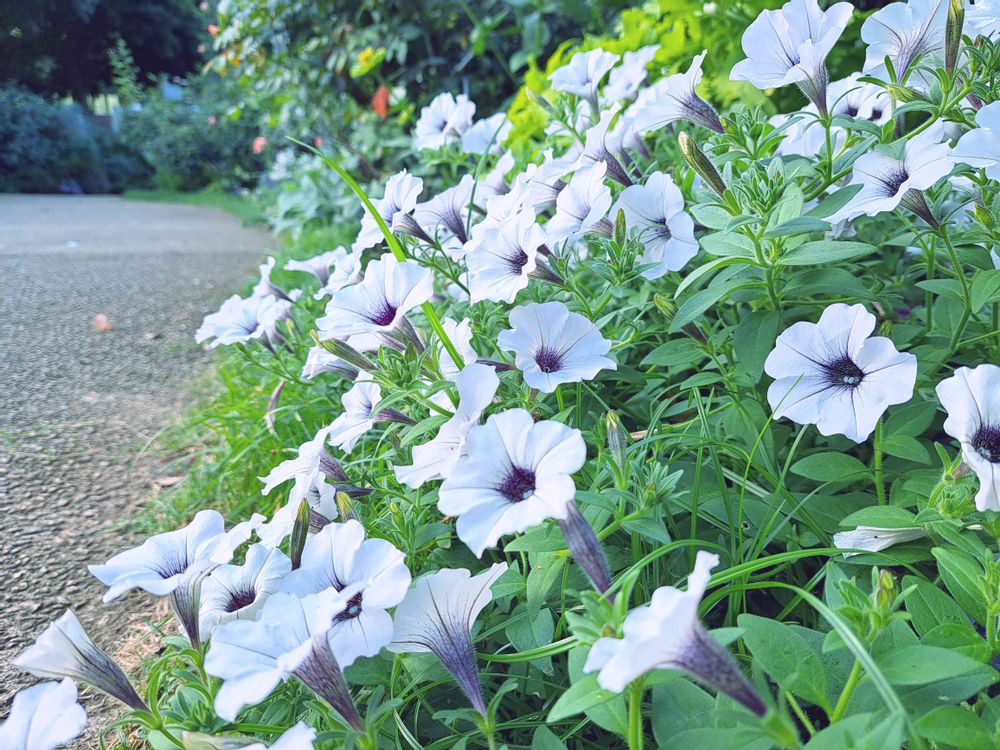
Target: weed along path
x: 99, y: 301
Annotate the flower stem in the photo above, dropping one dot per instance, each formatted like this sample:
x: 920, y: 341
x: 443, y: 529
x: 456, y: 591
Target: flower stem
x: 635, y: 733
x: 845, y: 696
x: 879, y: 481
x: 966, y: 292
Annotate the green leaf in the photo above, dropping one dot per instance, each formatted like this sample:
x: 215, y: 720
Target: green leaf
x: 911, y: 420
x: 699, y: 302
x: 985, y: 286
x: 727, y: 245
x: 545, y: 739
x: 852, y: 733
x: 753, y: 340
x: 582, y: 695
x: 881, y: 517
x: 679, y: 705
x: 711, y: 216
x: 956, y: 727
x: 961, y: 574
x: 835, y: 202
x: 786, y: 657
x: 798, y: 225
x: 961, y: 639
x: 830, y: 467
x: 824, y: 251
x: 904, y: 446
x: 930, y: 607
x: 943, y: 288
x: 920, y: 665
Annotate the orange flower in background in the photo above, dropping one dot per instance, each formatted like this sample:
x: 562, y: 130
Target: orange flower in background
x: 380, y: 102
x: 259, y: 144
x: 213, y: 29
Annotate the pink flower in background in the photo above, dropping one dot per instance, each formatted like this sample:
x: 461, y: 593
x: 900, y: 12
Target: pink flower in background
x: 259, y: 144
x: 213, y: 29
x: 212, y: 120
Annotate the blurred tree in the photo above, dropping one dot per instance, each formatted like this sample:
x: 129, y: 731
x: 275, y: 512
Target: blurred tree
x: 61, y: 46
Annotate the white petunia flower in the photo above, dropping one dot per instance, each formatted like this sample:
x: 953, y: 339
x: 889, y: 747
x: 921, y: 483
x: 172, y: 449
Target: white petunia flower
x: 460, y: 334
x: 655, y: 211
x: 380, y: 301
x: 983, y: 19
x: 667, y: 634
x: 288, y: 639
x: 242, y: 320
x: 505, y: 257
x: 449, y: 210
x: 173, y: 564
x: 581, y: 207
x: 487, y: 135
x: 790, y: 45
x: 65, y: 650
x: 442, y: 121
x: 43, y: 717
x: 888, y: 182
x: 514, y: 475
x: 344, y: 268
x: 972, y: 400
x: 298, y: 737
x: 625, y: 80
x: 437, y: 617
x: 980, y: 148
x: 583, y: 74
x: 360, y: 415
x: 476, y: 384
x: 319, y: 360
x: 858, y: 99
x: 318, y: 265
x: 265, y: 286
x: 903, y: 32
x: 340, y: 558
x: 604, y: 144
x: 495, y: 181
x: 237, y: 592
x: 832, y: 375
x: 401, y: 192
x: 307, y: 469
x: 552, y: 345
x: 874, y: 539
x: 672, y: 99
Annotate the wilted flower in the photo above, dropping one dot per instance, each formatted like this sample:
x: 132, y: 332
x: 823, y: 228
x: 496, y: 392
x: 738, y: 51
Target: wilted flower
x: 450, y: 210
x: 65, y: 650
x: 173, y: 564
x: 514, y: 475
x: 360, y: 415
x: 476, y: 386
x: 505, y: 257
x: 667, y: 634
x: 237, y: 592
x: 445, y: 119
x: 287, y: 639
x: 583, y: 74
x: 401, y: 192
x: 43, y: 717
x: 674, y: 98
x: 552, y: 345
x: 340, y: 558
x: 903, y: 32
x: 242, y: 320
x: 874, y: 539
x: 437, y: 616
x: 972, y: 400
x: 980, y: 148
x: 655, y: 211
x: 790, y: 45
x: 487, y: 135
x: 625, y: 80
x: 581, y: 206
x: 832, y: 375
x: 378, y: 303
x: 888, y: 182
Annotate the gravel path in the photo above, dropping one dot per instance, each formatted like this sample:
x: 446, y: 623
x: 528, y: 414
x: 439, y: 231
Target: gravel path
x: 77, y: 404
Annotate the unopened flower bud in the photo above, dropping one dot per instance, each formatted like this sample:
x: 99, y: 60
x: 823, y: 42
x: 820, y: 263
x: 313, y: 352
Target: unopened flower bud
x: 701, y: 164
x: 905, y: 94
x: 885, y: 594
x: 665, y: 305
x: 346, y: 507
x: 345, y: 352
x: 300, y: 530
x: 885, y: 329
x: 618, y: 438
x: 585, y: 547
x: 953, y: 34
x: 619, y: 233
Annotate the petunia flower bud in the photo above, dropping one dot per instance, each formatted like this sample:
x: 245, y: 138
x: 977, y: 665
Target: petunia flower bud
x: 618, y: 438
x: 953, y: 34
x: 585, y: 547
x: 299, y: 532
x: 701, y: 164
